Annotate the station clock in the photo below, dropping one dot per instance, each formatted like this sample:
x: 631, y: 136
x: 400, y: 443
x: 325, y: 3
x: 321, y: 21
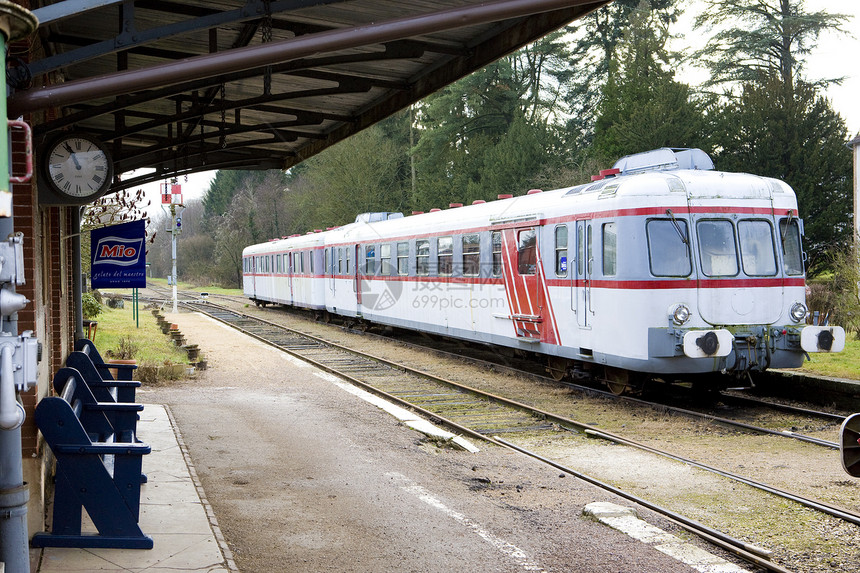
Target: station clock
x: 76, y: 169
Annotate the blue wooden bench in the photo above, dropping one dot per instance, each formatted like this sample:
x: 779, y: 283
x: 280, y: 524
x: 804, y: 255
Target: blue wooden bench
x: 104, y: 389
x: 122, y: 416
x: 98, y: 469
x: 124, y: 371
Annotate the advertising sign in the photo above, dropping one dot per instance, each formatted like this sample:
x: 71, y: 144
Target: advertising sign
x: 118, y: 256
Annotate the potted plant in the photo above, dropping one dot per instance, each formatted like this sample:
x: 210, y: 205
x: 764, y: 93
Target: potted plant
x: 123, y: 354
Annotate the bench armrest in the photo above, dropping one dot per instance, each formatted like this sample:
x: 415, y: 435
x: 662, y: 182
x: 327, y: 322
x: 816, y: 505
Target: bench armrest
x: 114, y: 407
x: 117, y: 449
x: 114, y: 383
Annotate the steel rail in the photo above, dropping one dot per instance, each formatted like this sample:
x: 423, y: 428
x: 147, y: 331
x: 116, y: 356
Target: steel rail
x: 749, y: 552
x: 838, y: 418
x: 630, y: 399
x: 735, y: 423
x: 658, y: 405
x: 744, y: 550
x: 588, y: 429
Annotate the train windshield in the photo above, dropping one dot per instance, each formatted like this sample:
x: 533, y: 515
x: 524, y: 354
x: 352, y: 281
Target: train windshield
x: 717, y: 248
x: 792, y: 253
x: 667, y: 248
x: 757, y: 254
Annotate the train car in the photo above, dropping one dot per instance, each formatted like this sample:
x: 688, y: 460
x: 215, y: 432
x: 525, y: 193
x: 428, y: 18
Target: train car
x: 661, y: 266
x: 286, y: 271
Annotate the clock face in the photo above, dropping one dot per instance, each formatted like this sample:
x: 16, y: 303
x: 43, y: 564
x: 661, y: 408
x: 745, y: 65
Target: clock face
x: 78, y: 167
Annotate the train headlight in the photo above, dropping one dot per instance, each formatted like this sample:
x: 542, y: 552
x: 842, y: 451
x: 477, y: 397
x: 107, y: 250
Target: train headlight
x: 681, y: 314
x: 798, y: 311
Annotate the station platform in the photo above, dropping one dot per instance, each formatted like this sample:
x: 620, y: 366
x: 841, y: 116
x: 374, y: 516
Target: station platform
x: 173, y: 511
x: 306, y: 474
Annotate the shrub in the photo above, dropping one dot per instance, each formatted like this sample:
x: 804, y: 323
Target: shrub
x: 91, y: 306
x: 126, y: 349
x: 837, y: 294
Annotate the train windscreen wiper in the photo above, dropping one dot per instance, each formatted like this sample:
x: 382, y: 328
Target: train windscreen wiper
x: 785, y: 229
x: 678, y: 227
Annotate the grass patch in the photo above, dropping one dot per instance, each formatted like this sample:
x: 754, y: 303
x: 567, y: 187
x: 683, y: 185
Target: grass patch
x: 211, y: 289
x: 152, y: 347
x: 845, y: 364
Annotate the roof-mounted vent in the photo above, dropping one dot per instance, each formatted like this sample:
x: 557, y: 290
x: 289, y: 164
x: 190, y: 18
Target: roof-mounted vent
x: 664, y: 159
x: 374, y: 217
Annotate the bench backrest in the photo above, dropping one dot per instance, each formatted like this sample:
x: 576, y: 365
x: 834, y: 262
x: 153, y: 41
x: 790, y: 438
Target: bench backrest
x: 60, y: 423
x: 71, y: 387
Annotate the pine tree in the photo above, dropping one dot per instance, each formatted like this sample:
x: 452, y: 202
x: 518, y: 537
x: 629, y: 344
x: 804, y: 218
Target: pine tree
x: 761, y: 39
x: 597, y: 38
x: 643, y: 106
x: 798, y: 138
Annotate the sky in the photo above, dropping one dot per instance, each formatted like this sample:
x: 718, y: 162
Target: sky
x: 837, y: 55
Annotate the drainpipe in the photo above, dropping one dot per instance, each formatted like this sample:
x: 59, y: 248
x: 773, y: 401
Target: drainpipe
x: 15, y: 23
x: 77, y: 273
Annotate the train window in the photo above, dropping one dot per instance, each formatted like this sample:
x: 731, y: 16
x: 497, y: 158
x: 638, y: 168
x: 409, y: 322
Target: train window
x: 302, y: 257
x: 589, y: 257
x: 445, y: 255
x: 471, y: 254
x: 757, y: 255
x: 526, y: 251
x: 327, y: 262
x: 561, y: 251
x: 610, y: 249
x: 667, y: 250
x: 385, y: 259
x: 717, y: 248
x: 789, y: 232
x: 580, y: 249
x: 422, y: 257
x: 311, y: 261
x: 496, y: 237
x: 370, y: 260
x: 339, y: 261
x: 402, y: 258
x: 349, y: 259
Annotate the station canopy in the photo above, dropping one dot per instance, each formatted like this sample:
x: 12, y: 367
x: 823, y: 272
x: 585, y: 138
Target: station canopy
x: 182, y: 86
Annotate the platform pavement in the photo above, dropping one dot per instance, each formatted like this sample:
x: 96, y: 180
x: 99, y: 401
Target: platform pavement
x: 174, y: 512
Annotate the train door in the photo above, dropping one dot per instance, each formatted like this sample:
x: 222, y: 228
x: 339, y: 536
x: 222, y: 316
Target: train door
x: 254, y: 265
x: 521, y: 272
x: 288, y: 262
x: 583, y: 269
x: 356, y: 280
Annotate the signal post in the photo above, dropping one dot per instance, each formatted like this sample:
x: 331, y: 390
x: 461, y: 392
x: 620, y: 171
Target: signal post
x: 171, y: 196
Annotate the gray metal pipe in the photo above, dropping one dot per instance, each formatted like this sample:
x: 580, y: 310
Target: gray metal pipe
x: 210, y: 65
x: 77, y: 273
x: 15, y: 23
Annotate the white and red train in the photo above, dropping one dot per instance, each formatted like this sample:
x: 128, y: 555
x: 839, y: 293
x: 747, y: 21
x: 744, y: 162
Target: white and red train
x: 661, y: 266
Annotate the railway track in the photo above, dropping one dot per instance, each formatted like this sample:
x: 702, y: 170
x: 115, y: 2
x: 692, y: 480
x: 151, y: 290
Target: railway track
x: 746, y: 410
x: 475, y: 413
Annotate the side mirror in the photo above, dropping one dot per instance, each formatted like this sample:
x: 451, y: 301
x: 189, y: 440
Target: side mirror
x: 849, y: 444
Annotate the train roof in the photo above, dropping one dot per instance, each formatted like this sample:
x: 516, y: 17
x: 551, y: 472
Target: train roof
x: 660, y: 177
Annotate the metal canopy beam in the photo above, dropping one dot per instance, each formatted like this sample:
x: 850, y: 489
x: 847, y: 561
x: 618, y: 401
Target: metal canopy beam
x: 68, y: 9
x: 258, y: 91
x: 266, y: 54
x: 393, y: 51
x: 130, y: 37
